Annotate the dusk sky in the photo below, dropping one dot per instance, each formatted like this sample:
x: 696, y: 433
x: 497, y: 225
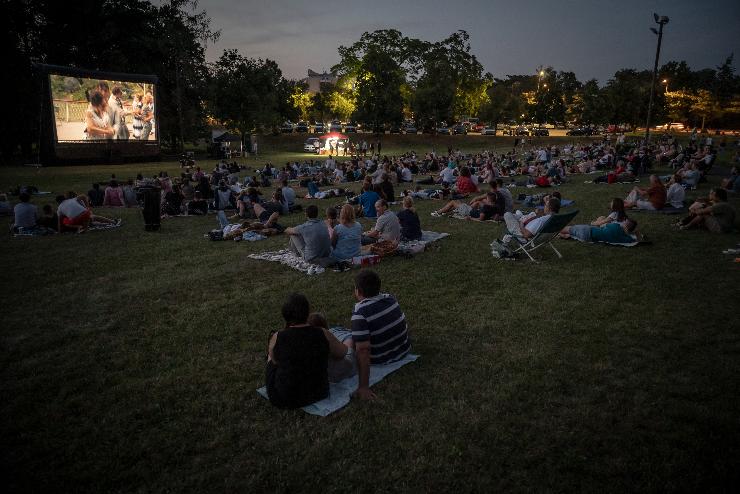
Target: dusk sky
x: 591, y: 38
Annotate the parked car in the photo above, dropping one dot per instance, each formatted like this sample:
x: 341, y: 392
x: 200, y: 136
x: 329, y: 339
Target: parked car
x: 335, y: 126
x: 311, y: 145
x: 350, y: 127
x: 478, y: 127
x: 580, y: 131
x: 488, y: 131
x: 394, y: 129
x: 410, y: 129
x: 319, y: 128
x: 459, y: 129
x: 540, y: 132
x: 521, y: 131
x: 301, y: 127
x: 677, y: 126
x: 286, y: 128
x: 443, y: 129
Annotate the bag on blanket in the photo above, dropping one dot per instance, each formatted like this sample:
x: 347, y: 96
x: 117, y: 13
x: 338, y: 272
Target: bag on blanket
x: 384, y: 248
x: 216, y: 235
x: 500, y: 250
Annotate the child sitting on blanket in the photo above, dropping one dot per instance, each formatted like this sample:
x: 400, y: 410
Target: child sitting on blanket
x: 338, y: 368
x: 409, y: 220
x: 296, y: 373
x: 611, y: 233
x: 616, y: 214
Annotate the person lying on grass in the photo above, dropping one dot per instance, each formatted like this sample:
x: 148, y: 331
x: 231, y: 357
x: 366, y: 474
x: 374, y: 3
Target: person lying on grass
x: 482, y: 208
x: 379, y: 330
x: 75, y: 214
x: 528, y: 226
x: 713, y: 214
x: 296, y: 372
x: 269, y: 212
x: 652, y: 198
x: 616, y: 214
x: 612, y: 233
x: 310, y: 240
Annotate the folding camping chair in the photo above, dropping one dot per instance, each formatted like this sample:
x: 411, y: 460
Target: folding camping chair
x: 545, y: 235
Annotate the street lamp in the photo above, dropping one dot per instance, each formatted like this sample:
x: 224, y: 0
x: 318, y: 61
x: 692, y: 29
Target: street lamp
x: 665, y: 81
x: 660, y: 21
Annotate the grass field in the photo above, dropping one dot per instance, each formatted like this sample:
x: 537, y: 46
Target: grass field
x: 130, y: 360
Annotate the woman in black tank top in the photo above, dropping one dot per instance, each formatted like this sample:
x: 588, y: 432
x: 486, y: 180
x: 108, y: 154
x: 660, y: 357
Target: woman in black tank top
x: 296, y: 372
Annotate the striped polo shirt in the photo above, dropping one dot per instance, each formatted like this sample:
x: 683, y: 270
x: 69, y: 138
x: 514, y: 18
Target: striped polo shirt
x: 380, y: 321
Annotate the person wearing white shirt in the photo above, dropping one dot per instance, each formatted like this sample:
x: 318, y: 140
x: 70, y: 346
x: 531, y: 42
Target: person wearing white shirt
x: 406, y: 175
x: 447, y: 175
x: 528, y: 229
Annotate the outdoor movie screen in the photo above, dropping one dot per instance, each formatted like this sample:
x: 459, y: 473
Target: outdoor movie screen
x: 87, y: 109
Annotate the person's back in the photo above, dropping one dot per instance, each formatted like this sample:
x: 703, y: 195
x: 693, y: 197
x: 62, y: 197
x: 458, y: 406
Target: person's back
x: 724, y: 214
x: 348, y: 241
x: 70, y: 208
x: 676, y: 195
x: 379, y: 320
x: 389, y: 227
x: 25, y: 214
x: 410, y: 224
x: 113, y: 196
x: 316, y: 239
x: 96, y: 195
x: 301, y: 377
x: 367, y: 200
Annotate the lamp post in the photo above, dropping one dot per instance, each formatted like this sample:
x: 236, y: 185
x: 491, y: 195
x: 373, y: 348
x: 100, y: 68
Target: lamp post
x: 660, y: 21
x: 665, y: 82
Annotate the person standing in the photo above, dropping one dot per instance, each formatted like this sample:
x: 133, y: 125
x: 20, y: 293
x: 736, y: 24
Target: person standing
x: 136, y: 107
x: 147, y: 116
x: 118, y: 114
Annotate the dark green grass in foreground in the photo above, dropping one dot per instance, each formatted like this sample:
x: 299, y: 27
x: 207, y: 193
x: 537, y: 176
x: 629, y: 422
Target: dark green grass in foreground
x: 130, y: 361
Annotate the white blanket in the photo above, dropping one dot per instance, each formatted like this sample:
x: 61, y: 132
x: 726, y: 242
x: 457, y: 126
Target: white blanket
x: 340, y: 393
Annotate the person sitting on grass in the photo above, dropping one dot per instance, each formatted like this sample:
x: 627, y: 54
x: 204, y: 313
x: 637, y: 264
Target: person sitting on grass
x: 339, y: 368
x: 310, y: 240
x: 25, y: 214
x: 409, y: 221
x: 464, y: 185
x: 505, y: 193
x: 367, y: 200
x: 129, y: 194
x: 652, y: 198
x: 289, y: 196
x: 379, y: 330
x: 346, y: 238
x: 296, y: 372
x: 198, y: 206
x: 96, y: 195
x: 617, y: 232
x: 173, y: 202
x: 331, y: 219
x: 113, y: 196
x: 616, y: 214
x: 732, y: 183
x: 49, y: 219
x: 387, y: 227
x: 714, y: 214
x: 676, y: 193
x: 385, y: 188
x: 528, y: 227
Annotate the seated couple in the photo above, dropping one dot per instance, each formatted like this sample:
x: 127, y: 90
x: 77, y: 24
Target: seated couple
x: 26, y: 217
x: 527, y: 226
x: 652, y: 198
x: 713, y: 214
x: 388, y: 227
x: 615, y: 228
x: 305, y: 356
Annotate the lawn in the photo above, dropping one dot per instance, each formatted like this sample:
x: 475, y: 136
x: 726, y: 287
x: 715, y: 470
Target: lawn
x: 130, y: 359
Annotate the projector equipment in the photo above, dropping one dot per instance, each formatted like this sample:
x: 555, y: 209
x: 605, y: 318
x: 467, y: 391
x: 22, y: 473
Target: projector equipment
x: 152, y: 199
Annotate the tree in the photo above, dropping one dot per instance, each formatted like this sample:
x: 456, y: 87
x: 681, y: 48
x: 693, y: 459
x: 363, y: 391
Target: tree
x: 302, y: 100
x: 246, y: 93
x: 706, y: 106
x: 435, y: 92
x: 379, y: 99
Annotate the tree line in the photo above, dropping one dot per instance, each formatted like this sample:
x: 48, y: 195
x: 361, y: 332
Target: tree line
x: 384, y: 78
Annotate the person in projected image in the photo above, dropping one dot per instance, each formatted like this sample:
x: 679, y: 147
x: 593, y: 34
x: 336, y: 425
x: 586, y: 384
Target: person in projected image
x: 97, y: 119
x: 147, y: 116
x: 115, y: 108
x: 136, y: 106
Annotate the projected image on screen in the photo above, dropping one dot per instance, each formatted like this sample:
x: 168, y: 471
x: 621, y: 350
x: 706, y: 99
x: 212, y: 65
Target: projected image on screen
x: 98, y: 110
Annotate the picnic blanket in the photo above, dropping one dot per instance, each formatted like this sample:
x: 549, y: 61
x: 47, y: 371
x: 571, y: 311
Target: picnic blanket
x: 415, y: 246
x: 631, y: 244
x: 288, y: 258
x: 40, y: 232
x: 340, y: 393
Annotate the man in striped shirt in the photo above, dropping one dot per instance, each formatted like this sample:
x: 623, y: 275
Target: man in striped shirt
x: 379, y: 331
